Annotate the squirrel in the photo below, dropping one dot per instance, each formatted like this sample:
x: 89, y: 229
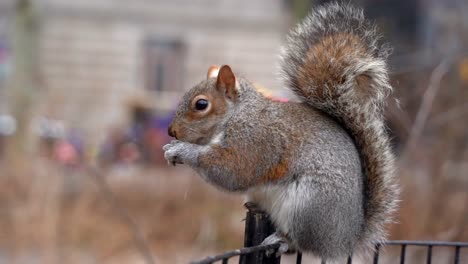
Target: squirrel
x: 322, y: 168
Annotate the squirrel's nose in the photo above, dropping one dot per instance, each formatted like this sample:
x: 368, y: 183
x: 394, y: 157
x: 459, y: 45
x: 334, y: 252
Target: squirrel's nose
x: 171, y: 132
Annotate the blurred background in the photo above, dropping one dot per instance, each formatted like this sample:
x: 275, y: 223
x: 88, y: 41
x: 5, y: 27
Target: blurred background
x: 88, y: 88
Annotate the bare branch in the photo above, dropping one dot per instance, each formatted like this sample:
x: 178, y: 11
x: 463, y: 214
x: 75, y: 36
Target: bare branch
x: 426, y: 104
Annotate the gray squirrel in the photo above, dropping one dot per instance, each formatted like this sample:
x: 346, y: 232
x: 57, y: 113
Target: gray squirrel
x: 322, y: 168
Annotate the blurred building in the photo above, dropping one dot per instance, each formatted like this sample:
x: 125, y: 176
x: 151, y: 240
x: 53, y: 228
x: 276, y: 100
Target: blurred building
x: 99, y: 57
x: 96, y: 57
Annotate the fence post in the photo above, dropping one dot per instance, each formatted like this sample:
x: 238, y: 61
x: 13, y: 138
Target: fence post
x: 257, y: 227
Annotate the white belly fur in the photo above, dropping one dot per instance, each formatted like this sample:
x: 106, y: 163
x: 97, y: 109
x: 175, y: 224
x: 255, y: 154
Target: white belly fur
x: 279, y: 201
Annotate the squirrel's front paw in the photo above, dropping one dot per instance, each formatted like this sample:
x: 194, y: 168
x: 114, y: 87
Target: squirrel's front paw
x: 172, y: 152
x: 178, y: 152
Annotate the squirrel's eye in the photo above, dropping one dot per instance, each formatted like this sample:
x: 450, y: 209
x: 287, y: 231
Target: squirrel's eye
x: 201, y: 104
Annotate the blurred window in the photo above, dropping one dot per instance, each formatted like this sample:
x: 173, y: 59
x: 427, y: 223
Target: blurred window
x: 164, y: 65
x: 4, y: 60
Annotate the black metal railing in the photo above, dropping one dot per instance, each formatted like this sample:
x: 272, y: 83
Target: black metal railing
x: 258, y: 227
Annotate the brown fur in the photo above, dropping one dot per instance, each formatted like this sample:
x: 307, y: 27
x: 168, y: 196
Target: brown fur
x: 218, y: 157
x: 324, y: 71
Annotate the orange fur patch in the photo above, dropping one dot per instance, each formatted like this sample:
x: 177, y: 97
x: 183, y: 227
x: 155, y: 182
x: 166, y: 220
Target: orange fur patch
x: 276, y: 172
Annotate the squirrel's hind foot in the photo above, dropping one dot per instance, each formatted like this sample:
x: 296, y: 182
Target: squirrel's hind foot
x: 274, y: 239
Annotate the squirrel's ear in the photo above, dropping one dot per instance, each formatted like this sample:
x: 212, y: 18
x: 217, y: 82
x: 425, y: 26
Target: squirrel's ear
x: 227, y: 82
x: 212, y: 72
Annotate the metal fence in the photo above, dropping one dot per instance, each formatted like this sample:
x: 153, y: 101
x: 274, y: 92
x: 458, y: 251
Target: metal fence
x: 258, y: 227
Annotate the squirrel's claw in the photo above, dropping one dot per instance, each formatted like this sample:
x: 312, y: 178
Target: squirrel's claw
x: 274, y: 239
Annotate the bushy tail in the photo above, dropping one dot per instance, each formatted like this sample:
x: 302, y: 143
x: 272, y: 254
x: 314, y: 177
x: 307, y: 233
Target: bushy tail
x: 334, y: 60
